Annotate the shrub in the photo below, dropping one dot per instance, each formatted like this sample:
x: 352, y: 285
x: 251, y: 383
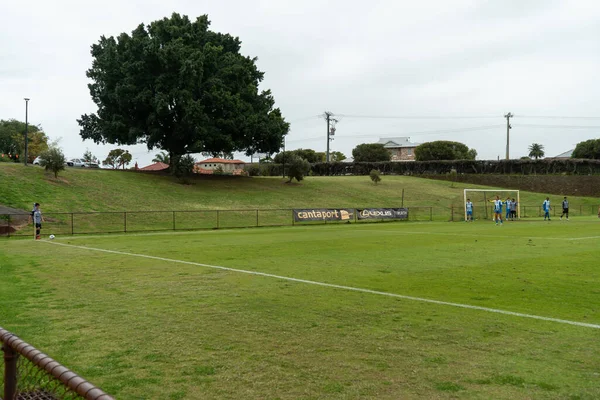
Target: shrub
x: 219, y: 170
x: 297, y: 168
x: 252, y: 170
x: 53, y: 160
x: 184, y: 168
x: 375, y: 176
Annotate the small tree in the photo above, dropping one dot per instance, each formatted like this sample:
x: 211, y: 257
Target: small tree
x: 124, y: 159
x: 337, y: 156
x: 53, y: 160
x: 444, y: 150
x: 162, y: 157
x: 112, y: 159
x: 184, y: 168
x: 297, y: 168
x: 587, y: 149
x: 89, y: 157
x: 536, y: 151
x: 371, y: 152
x: 375, y: 176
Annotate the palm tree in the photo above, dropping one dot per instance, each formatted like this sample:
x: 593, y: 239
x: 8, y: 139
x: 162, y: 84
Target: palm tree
x: 536, y: 151
x: 162, y: 157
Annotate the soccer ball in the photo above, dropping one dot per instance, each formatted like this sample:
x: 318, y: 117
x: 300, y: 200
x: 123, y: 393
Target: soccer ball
x: 52, y: 237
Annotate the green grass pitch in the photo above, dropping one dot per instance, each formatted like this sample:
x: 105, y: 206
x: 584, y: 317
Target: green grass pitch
x: 153, y: 318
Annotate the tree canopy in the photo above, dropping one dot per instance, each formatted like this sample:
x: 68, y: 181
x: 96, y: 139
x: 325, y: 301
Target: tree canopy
x: 370, y: 152
x: 12, y: 139
x: 536, y: 151
x: 444, y: 150
x: 588, y: 149
x: 307, y: 154
x: 180, y: 87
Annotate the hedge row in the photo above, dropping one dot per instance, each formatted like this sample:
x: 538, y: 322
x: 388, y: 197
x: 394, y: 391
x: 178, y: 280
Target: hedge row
x: 522, y: 167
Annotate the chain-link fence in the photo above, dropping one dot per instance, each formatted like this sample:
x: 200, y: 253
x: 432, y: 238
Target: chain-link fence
x: 29, y: 374
x: 149, y: 221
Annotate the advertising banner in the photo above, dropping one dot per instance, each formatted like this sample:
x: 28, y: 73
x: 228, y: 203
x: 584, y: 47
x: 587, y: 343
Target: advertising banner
x: 323, y: 214
x: 382, y: 213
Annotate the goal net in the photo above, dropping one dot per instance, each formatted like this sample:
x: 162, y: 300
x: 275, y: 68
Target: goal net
x: 483, y: 205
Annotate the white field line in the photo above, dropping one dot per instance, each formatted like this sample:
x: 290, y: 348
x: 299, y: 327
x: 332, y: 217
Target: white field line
x: 357, y: 228
x: 331, y: 285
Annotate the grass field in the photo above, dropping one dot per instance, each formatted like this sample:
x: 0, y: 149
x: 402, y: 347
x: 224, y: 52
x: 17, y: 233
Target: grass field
x: 86, y: 190
x: 153, y: 317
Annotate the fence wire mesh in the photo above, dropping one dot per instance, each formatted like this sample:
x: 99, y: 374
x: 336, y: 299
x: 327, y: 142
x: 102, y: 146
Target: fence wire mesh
x: 34, y: 383
x: 152, y: 221
x: 28, y: 374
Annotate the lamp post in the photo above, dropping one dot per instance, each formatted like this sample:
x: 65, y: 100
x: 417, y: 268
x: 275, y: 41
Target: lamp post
x: 26, y: 127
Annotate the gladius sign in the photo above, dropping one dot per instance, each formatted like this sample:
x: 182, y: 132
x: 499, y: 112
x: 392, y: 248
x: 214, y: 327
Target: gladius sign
x: 323, y: 214
x: 382, y: 213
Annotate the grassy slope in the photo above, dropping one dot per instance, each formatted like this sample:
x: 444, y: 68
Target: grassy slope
x: 101, y: 190
x: 145, y: 328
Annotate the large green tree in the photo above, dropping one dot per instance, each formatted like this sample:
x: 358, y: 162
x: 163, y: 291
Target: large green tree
x: 12, y: 139
x: 180, y: 87
x: 587, y: 149
x: 370, y: 152
x: 444, y: 150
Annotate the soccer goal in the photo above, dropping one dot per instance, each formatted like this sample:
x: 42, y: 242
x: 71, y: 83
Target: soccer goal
x: 482, y: 198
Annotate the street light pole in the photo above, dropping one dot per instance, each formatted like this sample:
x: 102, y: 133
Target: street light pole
x: 26, y: 127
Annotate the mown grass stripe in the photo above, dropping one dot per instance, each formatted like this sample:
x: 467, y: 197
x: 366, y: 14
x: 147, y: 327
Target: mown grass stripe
x: 331, y: 285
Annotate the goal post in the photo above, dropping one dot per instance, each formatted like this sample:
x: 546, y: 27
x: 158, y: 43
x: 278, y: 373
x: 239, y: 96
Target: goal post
x: 494, y: 192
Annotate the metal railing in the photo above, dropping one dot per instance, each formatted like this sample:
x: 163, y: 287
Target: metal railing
x: 30, y: 374
x: 149, y: 221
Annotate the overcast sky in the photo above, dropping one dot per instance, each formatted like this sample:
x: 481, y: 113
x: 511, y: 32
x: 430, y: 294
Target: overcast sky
x: 473, y: 61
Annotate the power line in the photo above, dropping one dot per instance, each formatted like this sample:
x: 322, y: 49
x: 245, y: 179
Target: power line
x: 555, y: 117
x: 417, y: 133
x: 562, y: 126
x: 418, y: 116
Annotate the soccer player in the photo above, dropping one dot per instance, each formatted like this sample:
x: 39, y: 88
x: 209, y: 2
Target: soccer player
x: 37, y: 219
x: 565, y: 206
x: 497, y: 210
x: 508, y: 208
x: 513, y: 209
x: 469, y: 208
x: 547, y: 208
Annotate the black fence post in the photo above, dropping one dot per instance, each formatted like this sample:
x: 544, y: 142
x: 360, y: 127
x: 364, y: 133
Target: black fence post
x: 452, y: 213
x: 430, y: 213
x: 174, y: 220
x: 256, y: 218
x: 293, y: 221
x: 217, y: 219
x: 72, y: 225
x: 125, y: 221
x: 8, y: 226
x: 10, y: 372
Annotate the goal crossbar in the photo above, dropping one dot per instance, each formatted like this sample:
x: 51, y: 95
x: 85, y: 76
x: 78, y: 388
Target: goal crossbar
x: 466, y: 191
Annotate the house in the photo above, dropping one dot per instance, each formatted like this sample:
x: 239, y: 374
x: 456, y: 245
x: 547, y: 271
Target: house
x: 564, y: 156
x: 208, y: 166
x: 401, y: 148
x: 155, y: 167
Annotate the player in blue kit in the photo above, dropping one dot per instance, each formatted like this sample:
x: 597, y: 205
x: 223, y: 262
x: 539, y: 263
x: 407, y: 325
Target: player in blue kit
x: 469, y: 209
x: 546, y: 207
x: 497, y: 210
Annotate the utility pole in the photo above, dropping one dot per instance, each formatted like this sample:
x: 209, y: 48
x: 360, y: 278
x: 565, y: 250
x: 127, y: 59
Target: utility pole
x: 26, y: 127
x: 330, y: 129
x: 508, y: 128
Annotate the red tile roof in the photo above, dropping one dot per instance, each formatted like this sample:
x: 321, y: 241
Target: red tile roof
x: 221, y: 161
x: 155, y: 167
